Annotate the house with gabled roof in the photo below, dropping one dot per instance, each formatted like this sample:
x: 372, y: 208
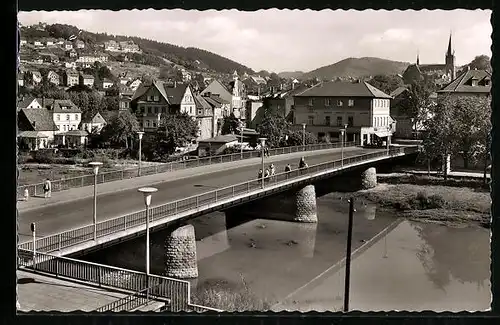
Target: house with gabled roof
x: 134, y: 84
x: 71, y: 78
x: 357, y: 107
x: 470, y: 83
x: 92, y: 122
x: 218, y: 89
x: 53, y: 78
x: 86, y: 80
x: 36, y: 128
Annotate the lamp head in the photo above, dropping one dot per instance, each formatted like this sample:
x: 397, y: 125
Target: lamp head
x: 95, y: 165
x: 262, y: 141
x: 140, y: 134
x: 147, y: 192
x: 303, y: 125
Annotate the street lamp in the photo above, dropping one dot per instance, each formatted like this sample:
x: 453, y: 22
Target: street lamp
x: 241, y: 133
x: 389, y: 127
x: 304, y: 135
x: 262, y: 144
x: 147, y: 192
x: 342, y: 133
x: 140, y: 134
x: 370, y: 217
x: 95, y: 165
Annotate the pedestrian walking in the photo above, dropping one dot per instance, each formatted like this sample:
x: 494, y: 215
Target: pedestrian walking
x: 302, y: 163
x: 266, y: 151
x: 288, y: 169
x: 47, y: 189
x: 259, y: 177
x: 267, y: 174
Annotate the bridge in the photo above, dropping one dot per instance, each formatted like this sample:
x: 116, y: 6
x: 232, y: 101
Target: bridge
x: 116, y: 229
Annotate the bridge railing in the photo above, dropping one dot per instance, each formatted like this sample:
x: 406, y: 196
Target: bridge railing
x: 176, y: 291
x: 105, y: 177
x: 130, y: 302
x: 84, y: 234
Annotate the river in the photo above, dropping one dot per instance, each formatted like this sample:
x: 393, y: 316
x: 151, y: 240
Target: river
x: 397, y: 264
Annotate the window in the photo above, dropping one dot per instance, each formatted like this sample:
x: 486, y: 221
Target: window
x: 339, y: 121
x: 191, y: 110
x: 67, y: 117
x: 327, y: 102
x: 58, y: 117
x: 327, y: 120
x: 156, y: 98
x: 147, y: 123
x: 311, y: 101
x: 340, y: 103
x: 310, y: 120
x: 350, y: 120
x: 157, y: 110
x: 154, y: 124
x: 200, y: 112
x: 150, y: 109
x: 76, y: 117
x: 351, y: 102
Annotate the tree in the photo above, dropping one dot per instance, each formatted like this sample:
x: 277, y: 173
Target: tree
x: 295, y: 138
x: 386, y: 83
x: 120, y: 129
x: 230, y: 124
x: 417, y: 102
x: 481, y: 62
x: 459, y: 126
x: 175, y: 130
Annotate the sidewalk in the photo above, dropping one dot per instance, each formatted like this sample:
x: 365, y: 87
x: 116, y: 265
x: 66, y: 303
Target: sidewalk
x: 150, y: 180
x: 44, y: 293
x: 450, y: 174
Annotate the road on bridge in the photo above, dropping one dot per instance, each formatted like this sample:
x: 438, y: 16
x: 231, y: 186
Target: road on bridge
x: 66, y: 216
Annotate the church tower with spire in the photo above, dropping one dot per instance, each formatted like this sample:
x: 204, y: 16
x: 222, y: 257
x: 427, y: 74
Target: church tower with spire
x: 418, y: 58
x: 450, y: 61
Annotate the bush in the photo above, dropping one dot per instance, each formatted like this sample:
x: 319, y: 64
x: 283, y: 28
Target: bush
x: 227, y: 296
x: 422, y: 201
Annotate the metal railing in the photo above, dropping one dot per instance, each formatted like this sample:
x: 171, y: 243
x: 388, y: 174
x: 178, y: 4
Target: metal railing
x: 130, y: 302
x: 176, y: 291
x: 195, y: 203
x: 128, y: 173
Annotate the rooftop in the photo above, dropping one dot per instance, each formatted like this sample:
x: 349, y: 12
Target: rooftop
x: 463, y: 83
x: 343, y: 89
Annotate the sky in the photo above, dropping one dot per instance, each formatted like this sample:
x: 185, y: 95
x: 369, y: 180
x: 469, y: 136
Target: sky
x: 295, y: 40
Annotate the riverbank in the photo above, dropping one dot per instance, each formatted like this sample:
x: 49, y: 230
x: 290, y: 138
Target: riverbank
x: 455, y: 203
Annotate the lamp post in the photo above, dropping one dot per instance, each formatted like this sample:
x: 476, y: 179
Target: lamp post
x: 147, y: 192
x: 241, y: 133
x: 95, y: 165
x: 304, y: 135
x: 140, y: 134
x: 389, y: 128
x: 33, y: 232
x: 262, y: 144
x: 342, y: 133
x: 369, y: 217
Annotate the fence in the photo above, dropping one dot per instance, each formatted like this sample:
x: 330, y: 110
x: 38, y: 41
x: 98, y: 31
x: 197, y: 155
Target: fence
x: 105, y: 177
x: 176, y: 291
x: 130, y: 302
x: 84, y: 234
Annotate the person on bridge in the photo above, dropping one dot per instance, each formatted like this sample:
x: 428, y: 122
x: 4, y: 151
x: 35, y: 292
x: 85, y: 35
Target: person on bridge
x: 273, y: 170
x: 288, y: 169
x: 47, y: 189
x: 259, y: 177
x: 302, y: 163
x: 267, y: 173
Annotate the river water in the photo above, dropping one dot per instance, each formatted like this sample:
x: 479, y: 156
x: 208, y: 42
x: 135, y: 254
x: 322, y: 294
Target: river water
x: 397, y: 264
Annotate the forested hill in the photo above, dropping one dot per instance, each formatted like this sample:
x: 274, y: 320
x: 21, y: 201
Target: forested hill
x: 188, y: 57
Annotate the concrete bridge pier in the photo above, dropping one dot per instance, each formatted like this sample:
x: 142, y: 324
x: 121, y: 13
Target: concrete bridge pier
x: 180, y: 253
x: 369, y: 178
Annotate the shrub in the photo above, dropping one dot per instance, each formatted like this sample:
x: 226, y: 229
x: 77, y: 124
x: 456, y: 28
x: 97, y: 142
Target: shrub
x: 422, y: 201
x: 227, y: 296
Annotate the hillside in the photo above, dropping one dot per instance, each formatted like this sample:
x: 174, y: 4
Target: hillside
x: 358, y: 67
x: 291, y: 74
x: 190, y: 58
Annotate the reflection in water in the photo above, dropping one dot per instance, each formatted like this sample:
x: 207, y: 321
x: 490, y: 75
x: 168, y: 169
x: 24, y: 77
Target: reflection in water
x: 448, y: 253
x: 278, y: 261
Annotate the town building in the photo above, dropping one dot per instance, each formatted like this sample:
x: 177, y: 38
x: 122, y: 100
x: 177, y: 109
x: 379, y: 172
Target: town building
x: 129, y: 47
x: 210, y: 111
x: 71, y: 78
x: 106, y: 83
x: 153, y: 99
x: 238, y: 98
x: 32, y: 77
x: 49, y: 58
x: 67, y: 46
x: 20, y: 79
x: 471, y: 82
x: 93, y: 123
x: 50, y: 42
x: 53, y: 78
x: 134, y: 84
x: 112, y: 46
x: 79, y: 44
x: 86, y: 80
x: 441, y: 73
x: 72, y: 53
x: 359, y: 108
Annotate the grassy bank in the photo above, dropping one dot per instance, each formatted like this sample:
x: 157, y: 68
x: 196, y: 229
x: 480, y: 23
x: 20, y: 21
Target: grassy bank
x: 448, y: 204
x: 228, y: 296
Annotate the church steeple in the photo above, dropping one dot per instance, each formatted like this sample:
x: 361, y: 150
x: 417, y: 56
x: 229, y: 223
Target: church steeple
x: 418, y: 58
x: 450, y: 61
x: 449, y: 52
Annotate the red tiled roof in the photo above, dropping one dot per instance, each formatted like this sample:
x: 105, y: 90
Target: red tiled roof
x: 343, y: 89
